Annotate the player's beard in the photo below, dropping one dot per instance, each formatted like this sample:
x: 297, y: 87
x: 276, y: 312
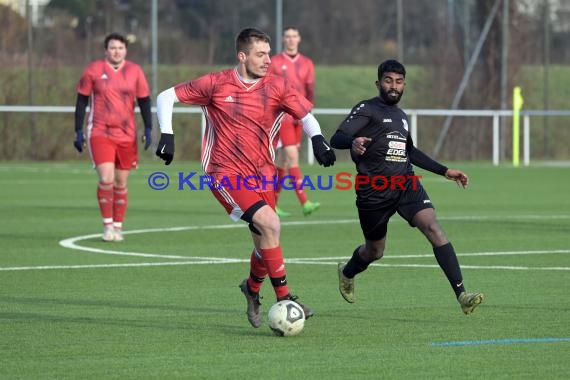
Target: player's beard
x: 253, y: 75
x: 390, y: 96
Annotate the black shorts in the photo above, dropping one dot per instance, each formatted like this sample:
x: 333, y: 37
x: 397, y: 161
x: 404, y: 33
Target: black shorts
x: 374, y: 221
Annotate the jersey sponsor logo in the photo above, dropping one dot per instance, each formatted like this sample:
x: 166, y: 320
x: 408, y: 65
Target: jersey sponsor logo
x: 396, y: 152
x: 395, y: 135
x: 386, y: 120
x: 229, y: 99
x: 405, y: 123
x: 396, y: 145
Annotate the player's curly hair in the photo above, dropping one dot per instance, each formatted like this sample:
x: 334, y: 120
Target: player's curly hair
x: 391, y: 66
x: 248, y: 36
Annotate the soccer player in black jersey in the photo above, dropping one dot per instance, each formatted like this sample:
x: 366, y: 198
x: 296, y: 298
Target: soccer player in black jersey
x: 376, y: 132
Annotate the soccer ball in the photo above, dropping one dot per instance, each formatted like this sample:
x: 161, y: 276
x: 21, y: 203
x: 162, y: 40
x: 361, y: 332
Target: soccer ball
x: 286, y: 318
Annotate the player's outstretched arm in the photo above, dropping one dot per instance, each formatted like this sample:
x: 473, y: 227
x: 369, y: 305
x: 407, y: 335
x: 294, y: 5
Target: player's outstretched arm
x: 458, y: 176
x: 422, y: 160
x: 321, y: 148
x: 164, y: 107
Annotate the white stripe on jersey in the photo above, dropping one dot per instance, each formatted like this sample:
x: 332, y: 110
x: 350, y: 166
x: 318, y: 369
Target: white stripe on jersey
x: 209, y: 136
x: 273, y: 132
x: 237, y: 212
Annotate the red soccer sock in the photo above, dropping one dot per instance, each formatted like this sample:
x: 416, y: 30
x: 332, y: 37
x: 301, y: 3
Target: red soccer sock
x: 120, y: 204
x: 295, y: 172
x: 273, y: 259
x: 280, y: 175
x: 257, y: 271
x: 105, y: 199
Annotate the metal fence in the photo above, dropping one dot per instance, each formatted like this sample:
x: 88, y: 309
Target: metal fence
x: 413, y: 114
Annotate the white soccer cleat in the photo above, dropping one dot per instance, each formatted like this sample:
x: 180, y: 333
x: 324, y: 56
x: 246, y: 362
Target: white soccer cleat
x: 108, y: 233
x: 119, y: 235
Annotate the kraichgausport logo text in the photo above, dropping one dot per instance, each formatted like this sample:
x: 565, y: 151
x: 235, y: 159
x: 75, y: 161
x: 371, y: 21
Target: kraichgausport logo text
x: 339, y: 181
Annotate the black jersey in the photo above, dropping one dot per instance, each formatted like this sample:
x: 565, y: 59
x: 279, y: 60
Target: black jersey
x: 386, y: 155
x: 389, y: 156
x: 387, y: 126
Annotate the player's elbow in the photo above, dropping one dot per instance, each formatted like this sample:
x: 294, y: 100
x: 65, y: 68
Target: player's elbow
x: 341, y: 140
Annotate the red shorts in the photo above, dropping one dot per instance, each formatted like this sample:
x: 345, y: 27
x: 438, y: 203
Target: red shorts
x: 123, y: 154
x: 291, y: 131
x: 237, y: 199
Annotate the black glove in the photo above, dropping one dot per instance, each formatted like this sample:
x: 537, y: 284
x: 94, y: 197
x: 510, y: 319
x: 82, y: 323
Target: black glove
x: 323, y: 152
x: 165, y: 149
x: 79, y: 142
x: 147, y: 138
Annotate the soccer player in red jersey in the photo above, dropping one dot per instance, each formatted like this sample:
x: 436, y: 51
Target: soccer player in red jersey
x: 299, y: 72
x: 243, y: 108
x: 113, y: 84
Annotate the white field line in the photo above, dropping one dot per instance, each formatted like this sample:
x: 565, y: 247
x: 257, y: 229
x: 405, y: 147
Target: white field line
x: 185, y: 260
x: 289, y: 261
x: 71, y: 242
x: 318, y: 261
x: 95, y: 266
x: 497, y: 253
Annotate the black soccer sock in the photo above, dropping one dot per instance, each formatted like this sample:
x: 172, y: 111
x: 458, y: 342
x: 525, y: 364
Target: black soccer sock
x: 355, y: 265
x: 447, y: 260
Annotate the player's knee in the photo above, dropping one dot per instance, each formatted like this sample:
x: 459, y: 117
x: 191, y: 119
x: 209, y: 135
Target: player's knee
x: 105, y: 185
x: 269, y: 228
x: 107, y: 178
x: 435, y: 234
x: 254, y: 229
x: 293, y: 157
x: 120, y: 183
x: 264, y: 220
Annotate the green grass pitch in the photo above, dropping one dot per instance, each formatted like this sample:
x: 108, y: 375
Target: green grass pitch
x: 165, y: 303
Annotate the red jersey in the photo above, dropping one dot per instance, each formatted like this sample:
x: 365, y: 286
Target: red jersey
x: 113, y: 94
x: 298, y: 72
x: 242, y: 119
